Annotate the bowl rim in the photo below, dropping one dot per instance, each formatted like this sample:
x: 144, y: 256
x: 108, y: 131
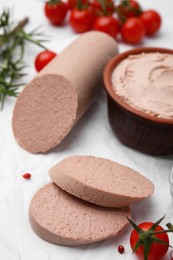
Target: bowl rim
x: 111, y: 65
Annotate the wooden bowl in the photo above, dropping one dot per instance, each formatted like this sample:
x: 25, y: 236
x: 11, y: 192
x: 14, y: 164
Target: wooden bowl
x: 134, y: 128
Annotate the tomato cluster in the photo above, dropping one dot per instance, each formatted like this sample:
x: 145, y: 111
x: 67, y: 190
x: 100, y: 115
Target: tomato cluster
x: 127, y: 20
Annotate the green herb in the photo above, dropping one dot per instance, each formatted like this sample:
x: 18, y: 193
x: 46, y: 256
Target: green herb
x: 12, y: 46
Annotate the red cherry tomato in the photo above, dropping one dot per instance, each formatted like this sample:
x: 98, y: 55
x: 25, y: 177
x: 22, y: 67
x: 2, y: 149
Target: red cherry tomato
x: 152, y: 21
x: 107, y: 24
x: 55, y: 11
x: 82, y: 20
x: 157, y: 250
x: 129, y: 8
x: 133, y: 30
x: 43, y: 58
x: 98, y: 8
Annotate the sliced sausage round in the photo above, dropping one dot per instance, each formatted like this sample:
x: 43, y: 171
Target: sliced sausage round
x: 63, y: 219
x: 101, y: 181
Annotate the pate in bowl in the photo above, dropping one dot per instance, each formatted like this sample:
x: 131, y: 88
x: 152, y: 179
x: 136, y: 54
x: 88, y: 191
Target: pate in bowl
x: 139, y: 86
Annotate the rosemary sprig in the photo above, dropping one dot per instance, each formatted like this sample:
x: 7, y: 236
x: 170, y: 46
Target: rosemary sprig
x: 12, y: 47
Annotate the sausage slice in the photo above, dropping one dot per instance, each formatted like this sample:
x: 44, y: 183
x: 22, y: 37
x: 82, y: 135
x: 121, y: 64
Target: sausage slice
x: 101, y: 181
x: 63, y: 219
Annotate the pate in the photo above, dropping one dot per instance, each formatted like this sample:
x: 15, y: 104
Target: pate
x: 145, y: 82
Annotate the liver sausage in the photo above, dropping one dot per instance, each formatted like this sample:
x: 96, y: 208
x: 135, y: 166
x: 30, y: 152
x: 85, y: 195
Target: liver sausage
x: 60, y: 94
x: 101, y: 181
x: 63, y: 219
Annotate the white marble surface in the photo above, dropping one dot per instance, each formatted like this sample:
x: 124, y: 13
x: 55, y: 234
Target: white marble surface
x: 91, y: 136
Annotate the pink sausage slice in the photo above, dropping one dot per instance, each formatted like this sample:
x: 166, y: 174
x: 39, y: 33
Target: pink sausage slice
x: 101, y: 181
x: 60, y: 94
x: 62, y: 219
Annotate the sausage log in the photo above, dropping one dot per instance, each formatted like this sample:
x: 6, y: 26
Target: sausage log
x: 52, y: 103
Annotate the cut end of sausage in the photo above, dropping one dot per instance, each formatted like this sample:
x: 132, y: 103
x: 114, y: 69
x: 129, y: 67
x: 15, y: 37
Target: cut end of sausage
x: 101, y: 181
x: 60, y: 218
x: 44, y: 113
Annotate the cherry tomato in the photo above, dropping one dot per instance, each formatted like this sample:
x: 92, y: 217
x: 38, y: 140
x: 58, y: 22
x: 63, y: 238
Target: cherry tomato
x: 55, y: 11
x: 74, y: 3
x: 152, y: 21
x: 107, y: 24
x: 157, y: 250
x: 82, y: 20
x: 133, y: 30
x: 129, y: 8
x: 98, y: 8
x: 43, y: 58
